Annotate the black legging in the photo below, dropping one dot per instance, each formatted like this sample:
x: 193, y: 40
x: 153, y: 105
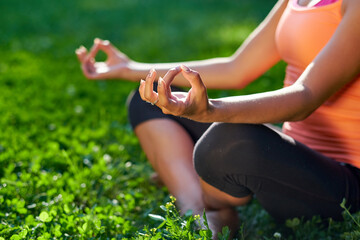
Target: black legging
x: 288, y: 178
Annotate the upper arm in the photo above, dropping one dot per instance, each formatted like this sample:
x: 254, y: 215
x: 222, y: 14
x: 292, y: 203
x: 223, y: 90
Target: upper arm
x: 338, y: 63
x: 259, y: 52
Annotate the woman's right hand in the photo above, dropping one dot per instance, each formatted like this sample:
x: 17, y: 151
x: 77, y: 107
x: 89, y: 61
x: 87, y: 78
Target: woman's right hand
x: 115, y: 66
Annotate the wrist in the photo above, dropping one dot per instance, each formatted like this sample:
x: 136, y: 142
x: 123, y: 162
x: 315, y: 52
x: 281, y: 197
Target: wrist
x: 211, y: 110
x: 214, y: 112
x: 131, y: 72
x: 208, y: 115
x: 137, y: 71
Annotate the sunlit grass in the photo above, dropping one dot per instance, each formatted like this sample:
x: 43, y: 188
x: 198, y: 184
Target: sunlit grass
x: 71, y: 166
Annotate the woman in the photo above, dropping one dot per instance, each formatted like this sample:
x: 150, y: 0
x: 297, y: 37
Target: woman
x: 307, y: 169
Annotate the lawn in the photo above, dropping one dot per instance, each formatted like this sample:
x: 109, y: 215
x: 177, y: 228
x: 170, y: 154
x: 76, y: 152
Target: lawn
x: 71, y: 167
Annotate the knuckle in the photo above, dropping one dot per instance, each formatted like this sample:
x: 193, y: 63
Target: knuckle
x: 196, y: 74
x: 202, y: 89
x: 178, y: 113
x: 164, y: 104
x: 146, y: 95
x: 165, y: 111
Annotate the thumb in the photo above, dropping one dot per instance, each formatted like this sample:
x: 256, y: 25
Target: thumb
x: 165, y: 102
x: 93, y: 51
x: 81, y: 53
x: 194, y: 78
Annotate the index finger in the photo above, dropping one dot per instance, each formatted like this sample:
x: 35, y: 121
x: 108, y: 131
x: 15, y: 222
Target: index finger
x: 93, y: 51
x: 192, y: 76
x: 107, y: 47
x: 170, y: 75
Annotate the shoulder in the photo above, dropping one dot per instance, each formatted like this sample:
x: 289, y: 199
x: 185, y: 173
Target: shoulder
x: 352, y: 2
x: 350, y: 7
x: 283, y: 1
x: 350, y: 18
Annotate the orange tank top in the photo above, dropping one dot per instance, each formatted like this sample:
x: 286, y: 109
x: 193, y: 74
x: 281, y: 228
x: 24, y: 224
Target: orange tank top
x: 334, y: 128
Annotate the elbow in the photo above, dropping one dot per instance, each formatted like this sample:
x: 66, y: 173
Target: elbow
x: 239, y: 83
x: 299, y: 116
x: 306, y: 104
x: 236, y: 79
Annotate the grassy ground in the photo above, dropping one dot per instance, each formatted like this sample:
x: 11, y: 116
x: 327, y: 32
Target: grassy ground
x: 71, y: 168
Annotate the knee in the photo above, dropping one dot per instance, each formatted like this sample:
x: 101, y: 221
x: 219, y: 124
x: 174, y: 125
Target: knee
x: 140, y: 111
x: 132, y: 103
x: 132, y: 100
x: 214, y: 148
x: 225, y: 148
x: 206, y: 151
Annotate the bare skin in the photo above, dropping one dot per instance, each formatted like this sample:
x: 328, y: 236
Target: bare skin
x: 237, y: 71
x: 293, y: 103
x: 253, y: 58
x: 172, y: 163
x: 175, y: 168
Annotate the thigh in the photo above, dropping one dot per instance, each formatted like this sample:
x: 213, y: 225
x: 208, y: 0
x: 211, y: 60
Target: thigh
x: 288, y: 178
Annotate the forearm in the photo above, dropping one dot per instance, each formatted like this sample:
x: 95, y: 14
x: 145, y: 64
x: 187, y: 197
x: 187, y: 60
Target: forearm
x: 288, y: 104
x: 211, y: 70
x: 291, y: 103
x: 249, y: 62
x: 254, y: 57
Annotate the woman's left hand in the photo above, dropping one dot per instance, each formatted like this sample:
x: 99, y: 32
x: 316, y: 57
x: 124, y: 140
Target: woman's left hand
x: 193, y: 105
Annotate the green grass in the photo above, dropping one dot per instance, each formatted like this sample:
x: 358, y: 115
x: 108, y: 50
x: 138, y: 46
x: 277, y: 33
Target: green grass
x: 71, y: 168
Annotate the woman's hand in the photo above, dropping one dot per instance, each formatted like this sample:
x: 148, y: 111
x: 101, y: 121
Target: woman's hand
x: 115, y: 66
x: 193, y: 104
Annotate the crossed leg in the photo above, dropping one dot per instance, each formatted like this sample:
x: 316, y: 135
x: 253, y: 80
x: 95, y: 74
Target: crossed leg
x: 288, y: 178
x: 169, y: 149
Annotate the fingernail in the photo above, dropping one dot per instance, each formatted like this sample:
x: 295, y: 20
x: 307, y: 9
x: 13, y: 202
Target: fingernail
x: 160, y: 82
x: 152, y: 72
x: 185, y: 68
x: 96, y: 40
x: 80, y: 50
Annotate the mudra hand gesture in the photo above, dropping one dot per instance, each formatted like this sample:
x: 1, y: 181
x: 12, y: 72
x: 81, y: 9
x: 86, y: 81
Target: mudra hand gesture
x: 194, y: 104
x: 115, y: 66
